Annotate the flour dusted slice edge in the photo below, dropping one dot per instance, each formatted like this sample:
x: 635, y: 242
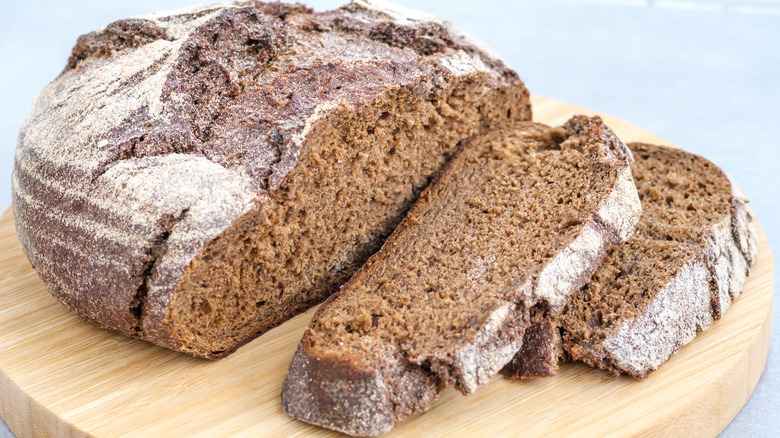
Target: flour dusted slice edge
x: 686, y: 264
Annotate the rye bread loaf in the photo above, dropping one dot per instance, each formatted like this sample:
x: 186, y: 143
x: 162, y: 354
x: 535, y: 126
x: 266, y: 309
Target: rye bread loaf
x: 194, y: 178
x: 688, y: 260
x: 516, y: 222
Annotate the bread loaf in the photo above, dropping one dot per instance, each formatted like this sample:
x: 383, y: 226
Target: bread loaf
x: 194, y: 178
x: 514, y: 224
x: 688, y: 260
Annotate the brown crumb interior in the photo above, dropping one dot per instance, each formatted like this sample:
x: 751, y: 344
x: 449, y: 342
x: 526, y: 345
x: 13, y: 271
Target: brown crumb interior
x: 355, y: 180
x: 508, y: 203
x: 682, y: 196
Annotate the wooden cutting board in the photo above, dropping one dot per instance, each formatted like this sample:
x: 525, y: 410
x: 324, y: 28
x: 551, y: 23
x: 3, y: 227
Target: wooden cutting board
x: 61, y: 376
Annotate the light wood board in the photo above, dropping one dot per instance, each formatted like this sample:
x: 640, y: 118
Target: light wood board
x: 60, y: 376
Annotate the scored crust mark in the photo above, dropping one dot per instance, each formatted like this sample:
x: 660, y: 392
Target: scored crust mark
x: 116, y: 37
x: 446, y: 300
x: 281, y: 10
x: 427, y: 39
x: 678, y: 273
x: 140, y: 135
x: 218, y: 60
x: 215, y: 64
x: 286, y: 141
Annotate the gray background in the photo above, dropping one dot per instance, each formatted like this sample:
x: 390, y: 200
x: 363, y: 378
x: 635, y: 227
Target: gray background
x: 703, y: 74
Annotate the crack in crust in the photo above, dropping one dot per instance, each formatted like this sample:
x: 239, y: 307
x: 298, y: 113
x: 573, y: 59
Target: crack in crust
x: 155, y: 252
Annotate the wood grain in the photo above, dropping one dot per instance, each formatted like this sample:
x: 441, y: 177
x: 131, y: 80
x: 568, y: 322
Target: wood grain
x: 60, y: 376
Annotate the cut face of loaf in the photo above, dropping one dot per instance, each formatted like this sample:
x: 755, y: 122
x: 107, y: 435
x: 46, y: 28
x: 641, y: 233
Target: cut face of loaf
x: 195, y: 178
x: 518, y: 220
x: 687, y: 262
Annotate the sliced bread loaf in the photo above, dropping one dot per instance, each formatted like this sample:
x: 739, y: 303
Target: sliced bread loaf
x: 194, y: 178
x: 516, y: 222
x: 688, y: 260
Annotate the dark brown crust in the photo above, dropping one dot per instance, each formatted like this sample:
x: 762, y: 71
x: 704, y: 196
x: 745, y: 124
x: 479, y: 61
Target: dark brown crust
x: 537, y: 358
x: 117, y: 36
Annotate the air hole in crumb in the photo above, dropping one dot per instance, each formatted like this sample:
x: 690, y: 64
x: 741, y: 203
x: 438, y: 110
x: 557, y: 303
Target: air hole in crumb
x: 204, y: 307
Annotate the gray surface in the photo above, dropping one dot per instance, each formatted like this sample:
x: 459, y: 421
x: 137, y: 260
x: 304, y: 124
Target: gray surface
x: 703, y: 74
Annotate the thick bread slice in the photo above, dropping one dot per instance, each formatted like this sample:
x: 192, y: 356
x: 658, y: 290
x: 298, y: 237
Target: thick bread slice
x: 688, y: 260
x: 194, y: 178
x: 516, y: 222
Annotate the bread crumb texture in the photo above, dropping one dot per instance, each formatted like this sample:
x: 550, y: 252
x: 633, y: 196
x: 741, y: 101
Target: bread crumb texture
x: 515, y: 223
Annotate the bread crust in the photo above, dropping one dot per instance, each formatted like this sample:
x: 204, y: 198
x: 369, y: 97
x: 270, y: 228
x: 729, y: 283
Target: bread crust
x: 131, y: 163
x: 365, y: 386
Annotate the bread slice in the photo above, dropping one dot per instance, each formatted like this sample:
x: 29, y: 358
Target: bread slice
x: 688, y: 260
x: 515, y: 223
x: 196, y: 177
